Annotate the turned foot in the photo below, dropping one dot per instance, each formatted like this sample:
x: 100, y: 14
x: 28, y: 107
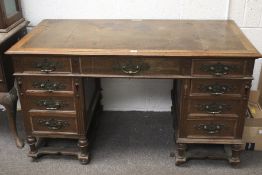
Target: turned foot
x: 234, y: 160
x: 181, y: 154
x: 83, y: 156
x: 32, y: 146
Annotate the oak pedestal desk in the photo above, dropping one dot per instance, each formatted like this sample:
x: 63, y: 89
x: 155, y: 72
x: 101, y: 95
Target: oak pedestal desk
x: 59, y: 64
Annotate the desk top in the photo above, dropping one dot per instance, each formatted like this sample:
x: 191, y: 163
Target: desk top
x: 136, y: 37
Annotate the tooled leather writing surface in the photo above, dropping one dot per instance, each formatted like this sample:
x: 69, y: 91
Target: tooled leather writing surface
x: 137, y: 37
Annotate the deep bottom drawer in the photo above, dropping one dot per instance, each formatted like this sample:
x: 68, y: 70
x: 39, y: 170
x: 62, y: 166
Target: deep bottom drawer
x: 57, y: 124
x: 211, y: 128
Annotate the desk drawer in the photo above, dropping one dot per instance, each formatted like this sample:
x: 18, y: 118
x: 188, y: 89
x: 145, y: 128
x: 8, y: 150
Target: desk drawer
x: 217, y: 87
x: 210, y: 128
x: 51, y: 103
x: 46, y: 123
x: 49, y: 84
x: 43, y: 64
x: 137, y: 66
x: 218, y: 68
x: 214, y: 107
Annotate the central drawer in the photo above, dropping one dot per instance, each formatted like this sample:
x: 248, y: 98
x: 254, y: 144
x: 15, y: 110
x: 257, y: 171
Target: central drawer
x: 134, y: 66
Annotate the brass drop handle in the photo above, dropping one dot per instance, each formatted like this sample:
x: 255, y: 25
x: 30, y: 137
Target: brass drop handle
x: 130, y: 69
x: 217, y: 93
x: 217, y: 111
x: 50, y: 104
x: 46, y: 66
x: 210, y: 128
x: 47, y: 70
x: 219, y: 69
x: 44, y: 86
x: 53, y: 107
x: 48, y: 85
x: 214, y: 108
x: 222, y: 90
x: 51, y: 89
x: 218, y: 74
x: 53, y: 124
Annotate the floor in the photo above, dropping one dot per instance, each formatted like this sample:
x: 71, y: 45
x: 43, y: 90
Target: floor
x: 137, y: 143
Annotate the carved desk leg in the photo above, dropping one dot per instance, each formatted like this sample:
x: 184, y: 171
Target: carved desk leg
x: 9, y: 101
x: 32, y: 145
x: 181, y: 154
x: 84, y: 152
x: 234, y: 160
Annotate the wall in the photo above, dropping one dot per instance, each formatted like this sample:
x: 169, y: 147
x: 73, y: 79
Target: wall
x: 149, y: 95
x: 248, y: 15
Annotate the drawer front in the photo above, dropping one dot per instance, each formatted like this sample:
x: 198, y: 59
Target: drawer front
x: 217, y: 87
x: 126, y: 66
x: 42, y: 124
x: 218, y: 68
x: 51, y: 103
x: 209, y: 128
x: 211, y: 107
x: 42, y: 64
x: 50, y: 84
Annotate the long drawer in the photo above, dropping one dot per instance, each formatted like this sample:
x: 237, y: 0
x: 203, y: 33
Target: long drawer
x: 134, y: 66
x: 210, y: 128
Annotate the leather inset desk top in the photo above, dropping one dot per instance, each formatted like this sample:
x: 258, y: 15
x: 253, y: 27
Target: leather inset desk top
x: 136, y: 37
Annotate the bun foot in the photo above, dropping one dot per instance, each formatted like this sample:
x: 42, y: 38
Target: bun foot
x: 180, y: 161
x: 84, y: 160
x: 180, y: 154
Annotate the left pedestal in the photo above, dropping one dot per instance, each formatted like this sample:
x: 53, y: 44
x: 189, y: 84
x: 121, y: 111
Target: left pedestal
x: 59, y: 108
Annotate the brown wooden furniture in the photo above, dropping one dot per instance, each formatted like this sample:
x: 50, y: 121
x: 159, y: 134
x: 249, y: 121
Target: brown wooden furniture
x: 11, y: 14
x: 8, y: 94
x: 211, y: 63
